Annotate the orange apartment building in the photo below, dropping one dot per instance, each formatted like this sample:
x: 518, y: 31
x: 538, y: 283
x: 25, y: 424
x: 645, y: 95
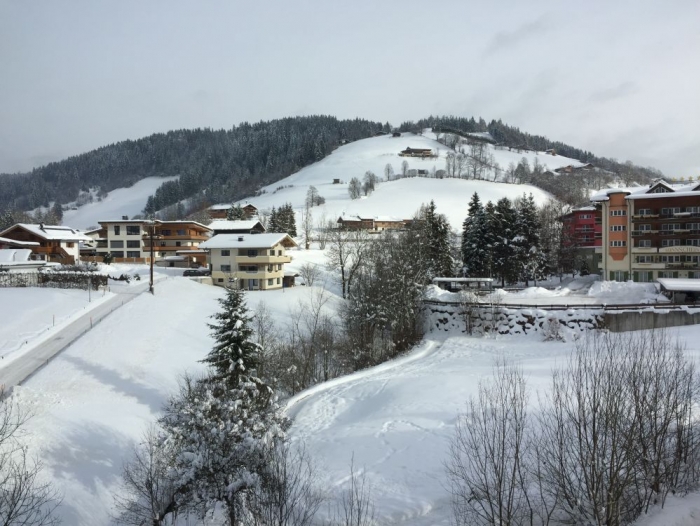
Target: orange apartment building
x: 650, y: 232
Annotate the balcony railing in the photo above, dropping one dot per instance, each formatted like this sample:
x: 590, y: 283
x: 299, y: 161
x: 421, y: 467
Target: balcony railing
x: 262, y: 259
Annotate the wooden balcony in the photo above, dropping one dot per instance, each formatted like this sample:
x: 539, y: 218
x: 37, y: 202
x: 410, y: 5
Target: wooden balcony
x: 192, y: 237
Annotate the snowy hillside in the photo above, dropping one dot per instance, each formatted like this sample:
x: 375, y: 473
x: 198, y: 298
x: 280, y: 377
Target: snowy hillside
x: 121, y: 202
x: 400, y: 198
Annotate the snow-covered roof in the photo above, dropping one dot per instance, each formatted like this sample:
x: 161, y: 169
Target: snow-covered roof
x: 189, y: 251
x: 248, y: 241
x: 357, y: 218
x: 224, y: 224
x: 51, y: 232
x: 16, y: 243
x: 643, y: 192
x: 584, y: 209
x: 225, y: 206
x: 158, y: 222
x: 174, y: 258
x: 15, y: 255
x: 680, y: 284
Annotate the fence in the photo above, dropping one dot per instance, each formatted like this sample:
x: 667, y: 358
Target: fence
x: 575, y: 306
x: 57, y: 280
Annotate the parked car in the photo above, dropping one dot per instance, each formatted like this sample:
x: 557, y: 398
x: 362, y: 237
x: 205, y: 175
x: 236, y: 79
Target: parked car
x: 197, y: 272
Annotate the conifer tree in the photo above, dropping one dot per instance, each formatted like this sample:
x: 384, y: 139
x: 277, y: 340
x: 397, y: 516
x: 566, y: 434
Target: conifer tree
x: 274, y: 221
x: 235, y: 354
x: 505, y: 233
x: 436, y: 231
x: 475, y: 240
x: 235, y: 213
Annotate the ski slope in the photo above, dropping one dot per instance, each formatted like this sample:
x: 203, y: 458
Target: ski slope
x: 399, y: 198
x: 121, y: 202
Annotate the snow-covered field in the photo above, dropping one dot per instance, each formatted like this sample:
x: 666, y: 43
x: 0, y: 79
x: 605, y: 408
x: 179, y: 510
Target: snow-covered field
x: 94, y: 400
x: 31, y: 314
x: 400, y: 198
x: 118, y: 203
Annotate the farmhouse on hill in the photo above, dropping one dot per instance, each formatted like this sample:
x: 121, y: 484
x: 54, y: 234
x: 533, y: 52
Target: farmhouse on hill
x: 220, y: 211
x: 416, y: 152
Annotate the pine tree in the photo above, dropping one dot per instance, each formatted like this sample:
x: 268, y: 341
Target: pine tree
x: 222, y: 425
x: 235, y: 354
x: 475, y: 237
x: 436, y: 231
x: 274, y: 222
x: 528, y: 252
x: 505, y: 233
x: 235, y: 213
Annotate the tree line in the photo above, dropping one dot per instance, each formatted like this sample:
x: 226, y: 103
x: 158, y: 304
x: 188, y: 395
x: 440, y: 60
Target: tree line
x: 224, y: 165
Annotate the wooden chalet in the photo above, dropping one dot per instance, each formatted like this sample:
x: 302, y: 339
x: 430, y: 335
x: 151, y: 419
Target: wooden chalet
x: 416, y: 152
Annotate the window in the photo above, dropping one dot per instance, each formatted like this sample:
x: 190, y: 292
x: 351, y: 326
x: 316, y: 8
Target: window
x: 165, y: 232
x: 644, y: 228
x: 694, y: 275
x: 644, y: 212
x: 69, y: 244
x: 118, y: 254
x: 618, y: 243
x: 279, y: 266
x: 278, y: 281
x: 585, y: 216
x: 667, y: 274
x: 644, y: 243
x: 225, y: 252
x: 279, y: 252
x: 270, y: 268
x: 670, y: 242
x: 692, y: 242
x: 133, y: 254
x: 618, y: 228
x: 645, y: 276
x: 645, y: 259
x: 669, y: 259
x: 671, y: 226
x: 693, y: 226
x: 178, y: 244
x: 270, y: 282
x: 181, y: 233
x: 116, y: 244
x: 659, y: 190
x: 618, y: 212
x: 133, y: 244
x: 248, y: 268
x: 132, y: 230
x: 117, y: 230
x: 618, y: 275
x: 693, y: 209
x: 252, y: 253
x: 219, y: 280
x: 225, y: 268
x: 272, y: 252
x: 669, y: 211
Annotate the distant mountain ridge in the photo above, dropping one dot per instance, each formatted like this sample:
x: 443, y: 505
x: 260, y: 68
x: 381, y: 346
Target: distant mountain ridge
x: 227, y: 165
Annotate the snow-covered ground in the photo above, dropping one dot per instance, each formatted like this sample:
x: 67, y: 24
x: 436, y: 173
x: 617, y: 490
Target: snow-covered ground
x: 31, y: 314
x: 581, y: 291
x: 400, y: 198
x: 120, y: 202
x: 94, y: 400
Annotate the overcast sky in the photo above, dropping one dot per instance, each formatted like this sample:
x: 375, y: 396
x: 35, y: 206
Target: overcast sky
x: 621, y: 79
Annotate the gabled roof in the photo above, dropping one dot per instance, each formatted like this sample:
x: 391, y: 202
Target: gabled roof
x: 15, y: 243
x: 248, y: 241
x: 50, y: 232
x: 659, y: 184
x: 224, y: 224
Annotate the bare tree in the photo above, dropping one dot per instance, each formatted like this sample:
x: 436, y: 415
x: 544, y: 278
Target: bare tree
x: 404, y: 168
x: 289, y: 493
x: 370, y: 182
x: 388, y: 172
x: 487, y: 466
x: 25, y: 499
x: 355, y: 188
x: 307, y: 225
x: 346, y: 251
x: 309, y: 273
x: 266, y: 335
x: 324, y: 228
x: 149, y: 490
x: 355, y: 506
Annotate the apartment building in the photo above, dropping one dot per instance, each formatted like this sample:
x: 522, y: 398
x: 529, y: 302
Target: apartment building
x: 582, y: 228
x: 251, y: 261
x: 129, y: 241
x: 650, y: 232
x: 51, y: 243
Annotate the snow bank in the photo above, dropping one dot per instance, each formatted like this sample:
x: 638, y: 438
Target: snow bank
x: 625, y: 292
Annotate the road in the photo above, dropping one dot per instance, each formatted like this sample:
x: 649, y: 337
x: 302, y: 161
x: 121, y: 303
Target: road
x: 22, y: 367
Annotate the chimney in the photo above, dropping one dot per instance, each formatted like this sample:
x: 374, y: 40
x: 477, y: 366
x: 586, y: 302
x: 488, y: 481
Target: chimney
x: 41, y: 226
x: 125, y: 218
